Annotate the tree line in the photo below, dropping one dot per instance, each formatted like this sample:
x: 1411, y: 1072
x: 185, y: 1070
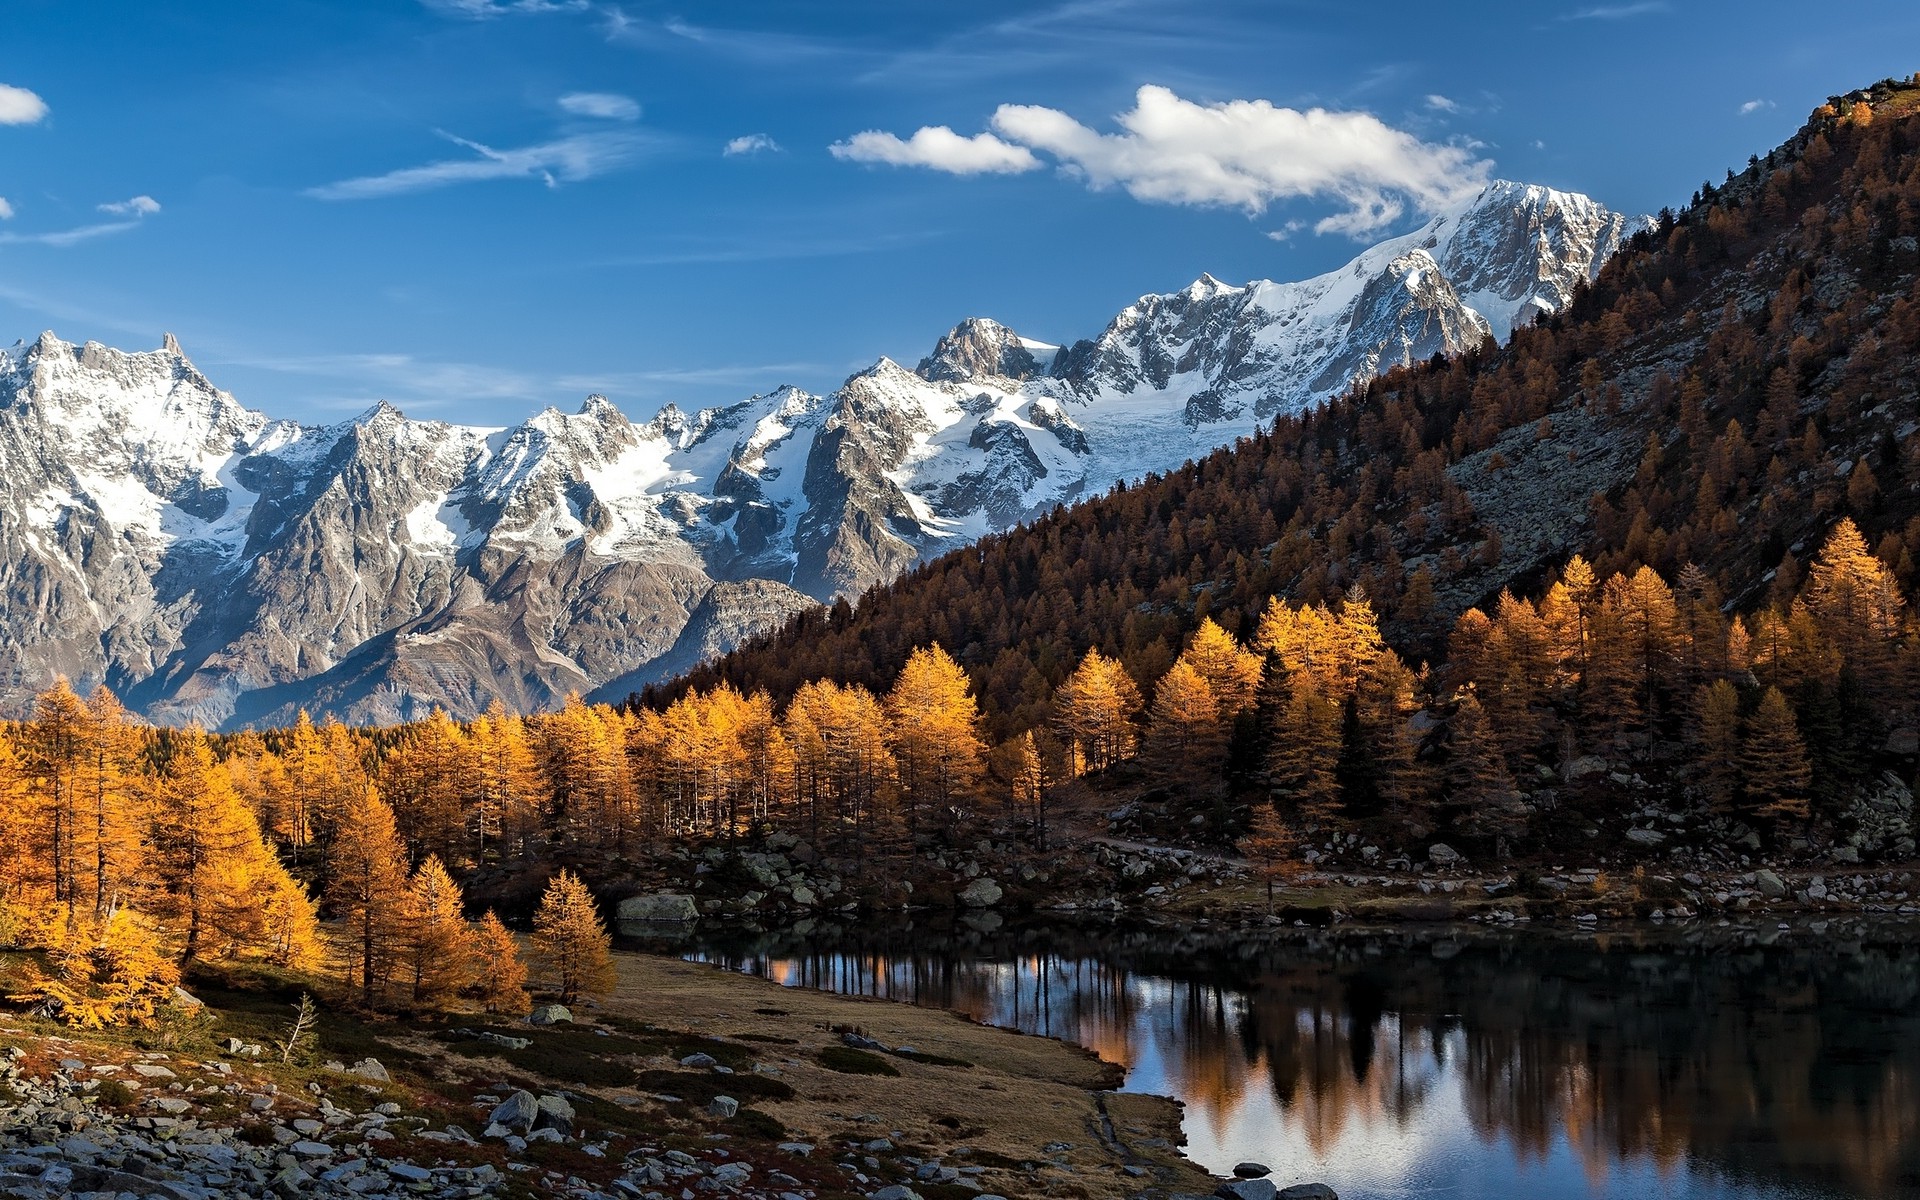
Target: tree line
x: 120, y: 841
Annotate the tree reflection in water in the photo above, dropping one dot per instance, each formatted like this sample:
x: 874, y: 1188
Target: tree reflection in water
x: 1704, y: 1063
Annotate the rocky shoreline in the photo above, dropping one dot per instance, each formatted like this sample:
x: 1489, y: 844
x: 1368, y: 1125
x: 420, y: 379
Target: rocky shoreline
x: 781, y: 880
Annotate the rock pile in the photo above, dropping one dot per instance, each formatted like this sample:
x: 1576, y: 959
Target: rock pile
x: 172, y: 1129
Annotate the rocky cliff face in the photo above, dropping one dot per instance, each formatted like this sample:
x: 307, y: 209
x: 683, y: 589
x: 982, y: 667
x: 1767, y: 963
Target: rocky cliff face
x: 215, y: 565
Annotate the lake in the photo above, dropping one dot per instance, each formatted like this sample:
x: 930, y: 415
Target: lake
x: 1689, y: 1063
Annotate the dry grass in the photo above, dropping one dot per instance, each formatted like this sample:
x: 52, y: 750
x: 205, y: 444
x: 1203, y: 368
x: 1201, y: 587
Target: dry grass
x: 1020, y: 1095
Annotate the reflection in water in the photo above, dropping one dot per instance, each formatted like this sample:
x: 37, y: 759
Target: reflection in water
x: 1388, y: 1065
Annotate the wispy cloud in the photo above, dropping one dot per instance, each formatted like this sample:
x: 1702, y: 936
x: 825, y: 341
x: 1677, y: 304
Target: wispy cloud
x: 746, y: 376
x: 1245, y: 154
x: 770, y: 250
x: 404, y: 378
x: 751, y: 143
x: 486, y: 10
x: 1439, y: 103
x: 747, y: 45
x: 132, y: 211
x: 1617, y: 12
x: 562, y: 160
x: 67, y: 237
x: 609, y: 106
x: 18, y: 106
x: 138, y: 206
x: 1754, y: 106
x: 940, y: 149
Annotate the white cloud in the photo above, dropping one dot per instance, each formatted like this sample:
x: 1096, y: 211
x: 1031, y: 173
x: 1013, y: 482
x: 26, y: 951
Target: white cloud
x: 568, y: 160
x: 1440, y: 103
x: 1754, y: 106
x: 751, y: 143
x: 1248, y: 154
x: 940, y: 148
x: 606, y: 105
x: 18, y: 106
x: 139, y: 206
x: 6, y: 210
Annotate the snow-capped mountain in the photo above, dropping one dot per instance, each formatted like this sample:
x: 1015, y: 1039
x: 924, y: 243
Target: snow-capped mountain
x: 213, y: 564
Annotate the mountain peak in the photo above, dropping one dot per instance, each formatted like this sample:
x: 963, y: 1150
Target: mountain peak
x: 380, y: 412
x: 601, y: 408
x: 170, y: 344
x: 979, y: 347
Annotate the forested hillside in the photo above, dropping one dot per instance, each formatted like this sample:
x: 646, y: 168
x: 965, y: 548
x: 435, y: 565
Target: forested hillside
x: 1733, y: 384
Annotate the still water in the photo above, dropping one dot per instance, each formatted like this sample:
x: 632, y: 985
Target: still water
x: 1709, y: 1063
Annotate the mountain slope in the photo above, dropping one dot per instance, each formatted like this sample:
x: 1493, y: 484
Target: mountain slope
x: 216, y: 565
x: 1728, y: 388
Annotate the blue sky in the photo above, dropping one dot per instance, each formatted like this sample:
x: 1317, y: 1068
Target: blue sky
x: 477, y: 207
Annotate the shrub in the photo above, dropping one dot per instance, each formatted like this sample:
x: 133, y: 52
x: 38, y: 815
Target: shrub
x: 849, y: 1061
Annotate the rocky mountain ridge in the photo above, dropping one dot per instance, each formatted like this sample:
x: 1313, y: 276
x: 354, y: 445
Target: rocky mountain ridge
x: 214, y: 564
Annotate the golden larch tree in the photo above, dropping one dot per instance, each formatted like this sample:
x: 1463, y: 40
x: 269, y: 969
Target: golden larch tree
x: 368, y: 892
x: 56, y: 748
x: 108, y: 836
x: 440, y: 947
x: 570, y: 944
x: 1096, y: 708
x: 501, y: 982
x: 208, y: 856
x: 1773, y: 761
x: 1231, y: 672
x: 934, y: 730
x: 1185, y: 739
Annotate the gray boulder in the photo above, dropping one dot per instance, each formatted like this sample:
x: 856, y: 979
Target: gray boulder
x: 553, y: 1112
x: 370, y: 1068
x: 981, y: 893
x: 1309, y: 1191
x: 550, y: 1014
x: 1246, y: 1189
x: 723, y: 1107
x: 502, y: 1040
x: 516, y: 1112
x: 1771, y: 886
x: 660, y: 908
x: 1442, y: 855
x: 1251, y: 1170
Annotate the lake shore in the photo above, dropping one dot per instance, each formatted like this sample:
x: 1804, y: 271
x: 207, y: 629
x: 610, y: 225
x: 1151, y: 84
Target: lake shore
x: 1038, y: 1113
